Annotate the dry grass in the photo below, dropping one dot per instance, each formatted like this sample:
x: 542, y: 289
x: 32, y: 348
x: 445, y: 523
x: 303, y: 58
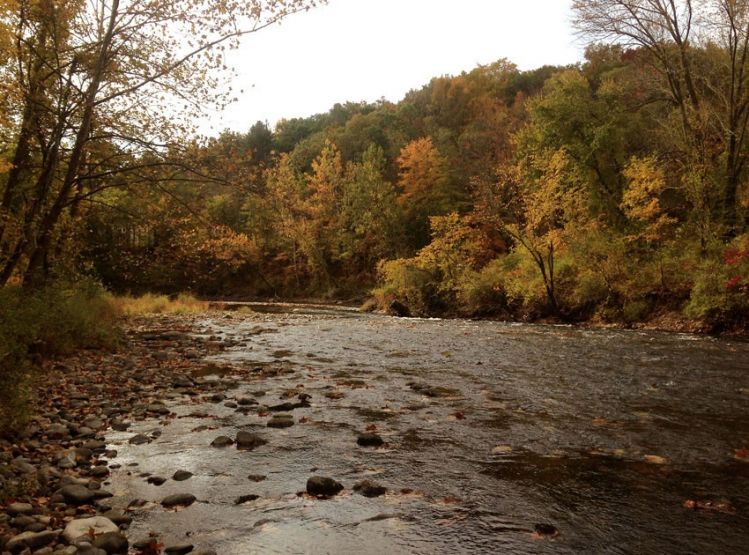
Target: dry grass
x: 159, y: 304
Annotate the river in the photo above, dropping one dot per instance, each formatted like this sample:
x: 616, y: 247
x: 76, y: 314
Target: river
x: 490, y: 429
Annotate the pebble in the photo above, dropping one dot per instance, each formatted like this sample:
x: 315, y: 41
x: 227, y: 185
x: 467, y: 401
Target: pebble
x: 249, y: 441
x: 139, y: 439
x: 180, y: 549
x: 369, y: 440
x: 222, y: 441
x: 324, y: 486
x: 370, y: 489
x: 77, y: 494
x: 182, y: 475
x: 281, y: 421
x: 179, y: 499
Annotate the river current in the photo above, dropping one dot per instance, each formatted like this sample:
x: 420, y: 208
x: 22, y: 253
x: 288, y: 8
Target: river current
x: 612, y: 441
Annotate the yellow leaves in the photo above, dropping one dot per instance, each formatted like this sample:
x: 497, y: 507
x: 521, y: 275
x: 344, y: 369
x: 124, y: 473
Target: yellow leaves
x: 641, y: 200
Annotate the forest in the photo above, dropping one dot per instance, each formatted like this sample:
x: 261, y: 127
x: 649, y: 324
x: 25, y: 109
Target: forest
x: 613, y: 190
x: 436, y: 324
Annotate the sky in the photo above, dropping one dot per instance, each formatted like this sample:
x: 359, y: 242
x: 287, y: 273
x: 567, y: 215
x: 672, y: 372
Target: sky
x: 364, y: 50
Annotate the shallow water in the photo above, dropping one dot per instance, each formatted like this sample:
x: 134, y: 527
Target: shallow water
x: 602, y: 434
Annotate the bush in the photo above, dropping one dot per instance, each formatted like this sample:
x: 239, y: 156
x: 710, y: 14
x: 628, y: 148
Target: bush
x: 50, y: 322
x: 149, y: 303
x: 405, y: 281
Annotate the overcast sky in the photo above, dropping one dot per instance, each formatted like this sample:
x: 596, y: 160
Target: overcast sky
x: 354, y: 50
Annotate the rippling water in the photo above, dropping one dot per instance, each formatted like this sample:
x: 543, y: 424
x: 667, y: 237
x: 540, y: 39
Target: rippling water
x: 491, y: 428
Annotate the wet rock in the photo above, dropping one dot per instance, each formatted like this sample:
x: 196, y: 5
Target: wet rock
x: 139, y: 439
x: 370, y: 489
x: 323, y: 486
x: 246, y: 498
x: 57, y: 431
x: 369, y: 440
x: 99, y: 472
x: 15, y: 509
x: 281, y: 421
x: 222, y: 441
x: 83, y: 527
x: 156, y: 480
x: 77, y: 494
x: 230, y: 404
x: 397, y: 308
x: 117, y: 517
x: 256, y: 477
x: 23, y: 522
x: 246, y: 401
x: 112, y: 542
x: 180, y: 549
x: 545, y: 529
x: 433, y: 391
x: 120, y: 425
x: 288, y: 406
x: 182, y: 381
x: 30, y: 540
x: 157, y: 408
x: 181, y: 475
x: 178, y: 500
x: 248, y: 441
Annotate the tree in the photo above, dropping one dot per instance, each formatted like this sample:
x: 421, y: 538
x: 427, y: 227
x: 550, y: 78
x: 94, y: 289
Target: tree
x: 701, y: 52
x: 539, y: 203
x: 102, y: 72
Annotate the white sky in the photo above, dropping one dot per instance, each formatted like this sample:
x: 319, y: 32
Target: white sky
x: 354, y: 50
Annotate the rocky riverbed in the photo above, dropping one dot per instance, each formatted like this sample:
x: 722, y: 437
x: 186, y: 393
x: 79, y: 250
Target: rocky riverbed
x: 320, y: 430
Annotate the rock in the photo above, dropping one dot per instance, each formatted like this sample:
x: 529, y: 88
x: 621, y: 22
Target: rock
x: 397, y: 308
x: 157, y: 408
x: 15, y: 509
x: 82, y: 527
x: 370, y: 489
x: 77, y: 495
x: 30, y: 540
x: 256, y: 477
x: 222, y: 441
x: 182, y: 475
x: 281, y: 421
x: 283, y: 407
x: 179, y: 499
x: 120, y: 425
x: 182, y: 381
x: 112, y: 542
x: 117, y: 517
x: 57, y: 431
x: 156, y: 480
x: 544, y: 529
x: 180, y: 549
x: 245, y: 498
x: 321, y: 485
x: 23, y: 522
x: 246, y: 401
x: 249, y: 441
x: 139, y: 439
x: 369, y: 440
x: 99, y: 472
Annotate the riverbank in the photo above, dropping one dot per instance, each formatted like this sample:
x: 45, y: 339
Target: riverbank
x: 54, y: 475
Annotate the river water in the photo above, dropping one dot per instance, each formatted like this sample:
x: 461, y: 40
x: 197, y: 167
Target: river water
x: 490, y: 429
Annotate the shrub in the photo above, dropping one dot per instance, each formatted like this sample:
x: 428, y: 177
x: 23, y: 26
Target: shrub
x: 49, y: 322
x: 149, y: 303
